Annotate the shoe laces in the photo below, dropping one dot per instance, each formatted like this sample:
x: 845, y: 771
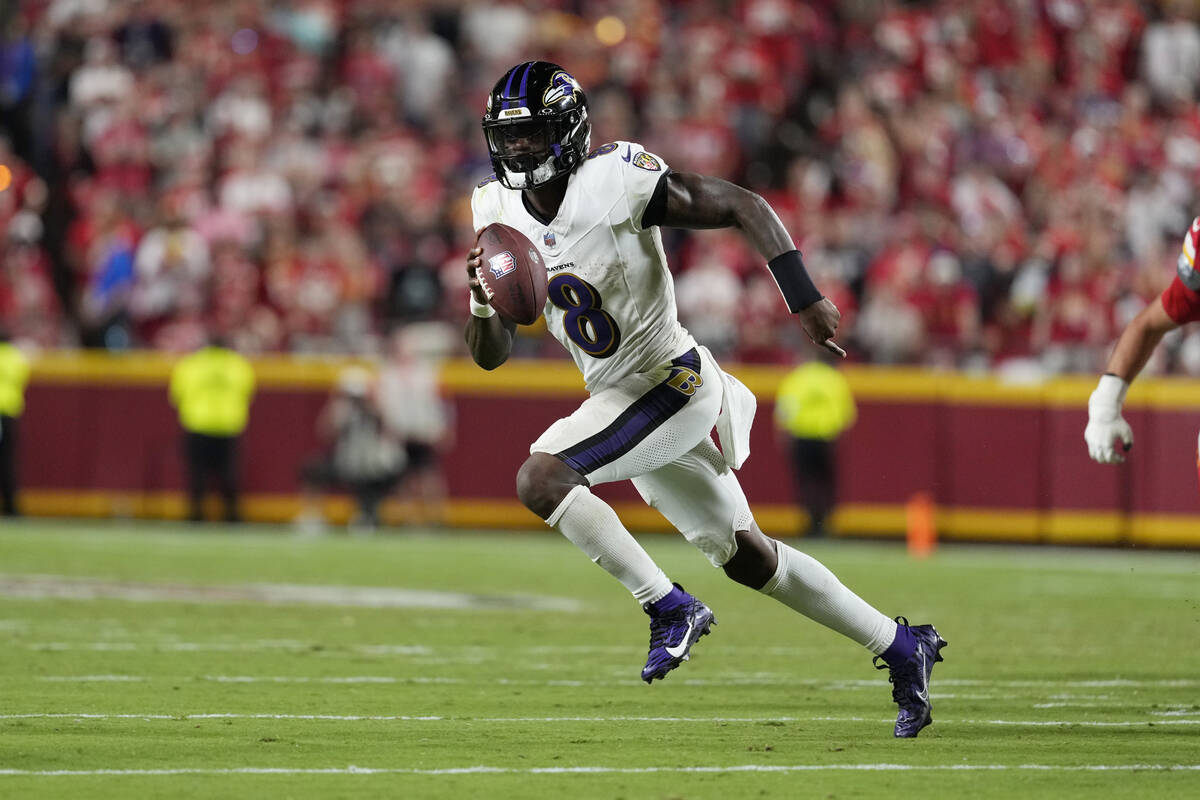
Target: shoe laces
x: 876, y: 661
x: 902, y: 676
x: 660, y: 625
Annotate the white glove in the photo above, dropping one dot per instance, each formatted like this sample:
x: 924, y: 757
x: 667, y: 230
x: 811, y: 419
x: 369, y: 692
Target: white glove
x: 1105, y: 423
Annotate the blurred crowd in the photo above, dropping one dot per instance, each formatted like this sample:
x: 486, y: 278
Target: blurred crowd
x: 975, y: 183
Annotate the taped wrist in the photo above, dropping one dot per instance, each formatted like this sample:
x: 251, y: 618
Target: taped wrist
x: 797, y: 288
x: 1109, y: 395
x: 479, y: 309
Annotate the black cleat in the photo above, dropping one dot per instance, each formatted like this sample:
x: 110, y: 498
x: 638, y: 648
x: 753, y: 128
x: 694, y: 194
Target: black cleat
x: 673, y: 631
x: 910, y: 680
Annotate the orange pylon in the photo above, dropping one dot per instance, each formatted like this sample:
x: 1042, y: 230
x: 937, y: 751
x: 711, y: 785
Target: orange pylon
x: 921, y: 526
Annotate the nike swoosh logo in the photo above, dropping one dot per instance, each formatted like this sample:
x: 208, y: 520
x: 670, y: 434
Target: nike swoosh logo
x: 626, y: 157
x: 923, y: 692
x: 681, y: 648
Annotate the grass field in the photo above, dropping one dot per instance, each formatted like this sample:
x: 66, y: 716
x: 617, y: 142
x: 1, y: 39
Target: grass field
x: 169, y: 661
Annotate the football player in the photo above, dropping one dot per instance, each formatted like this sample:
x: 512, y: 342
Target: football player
x: 1177, y: 305
x: 654, y: 394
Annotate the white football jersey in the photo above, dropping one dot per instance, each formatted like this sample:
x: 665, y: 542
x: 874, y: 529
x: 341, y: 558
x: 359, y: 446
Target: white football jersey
x: 611, y: 300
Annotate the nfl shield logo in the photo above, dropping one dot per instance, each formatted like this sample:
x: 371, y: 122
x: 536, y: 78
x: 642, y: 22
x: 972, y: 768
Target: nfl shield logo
x: 548, y: 238
x: 502, y: 264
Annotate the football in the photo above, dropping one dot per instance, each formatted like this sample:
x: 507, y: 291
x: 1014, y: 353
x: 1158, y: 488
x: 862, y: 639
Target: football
x: 512, y: 273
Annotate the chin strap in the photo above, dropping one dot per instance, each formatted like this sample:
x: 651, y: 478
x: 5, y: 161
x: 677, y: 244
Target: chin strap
x: 541, y: 174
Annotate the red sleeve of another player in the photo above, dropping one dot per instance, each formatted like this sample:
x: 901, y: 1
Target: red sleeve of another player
x: 1181, y: 303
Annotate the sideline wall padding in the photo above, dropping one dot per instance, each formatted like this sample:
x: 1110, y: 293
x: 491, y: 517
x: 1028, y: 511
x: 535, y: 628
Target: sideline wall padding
x: 1002, y: 461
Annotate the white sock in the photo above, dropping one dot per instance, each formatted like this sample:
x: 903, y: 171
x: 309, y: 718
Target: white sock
x: 592, y: 525
x: 804, y: 584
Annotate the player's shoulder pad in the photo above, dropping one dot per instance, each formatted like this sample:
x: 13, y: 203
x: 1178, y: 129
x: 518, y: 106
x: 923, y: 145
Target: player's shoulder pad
x: 647, y: 161
x: 603, y: 150
x: 485, y: 189
x: 485, y: 199
x: 631, y: 154
x: 1187, y: 269
x: 489, y: 187
x: 638, y: 158
x: 622, y: 169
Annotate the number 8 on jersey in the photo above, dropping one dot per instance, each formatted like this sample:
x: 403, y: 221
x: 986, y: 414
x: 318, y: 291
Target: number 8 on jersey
x: 585, y: 322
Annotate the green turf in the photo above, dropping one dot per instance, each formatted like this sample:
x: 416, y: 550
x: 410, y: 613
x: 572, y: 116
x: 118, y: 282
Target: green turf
x: 1101, y: 646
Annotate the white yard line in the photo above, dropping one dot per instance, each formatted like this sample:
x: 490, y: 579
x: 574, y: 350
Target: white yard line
x: 93, y: 679
x: 1059, y: 723
x: 302, y: 679
x: 1173, y: 710
x: 736, y: 679
x: 169, y: 646
x: 65, y: 587
x: 447, y: 655
x: 581, y: 770
x: 614, y: 719
x: 418, y: 679
x: 422, y: 679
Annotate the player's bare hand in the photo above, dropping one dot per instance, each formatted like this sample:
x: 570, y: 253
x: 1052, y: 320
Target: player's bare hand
x: 820, y: 322
x: 474, y: 262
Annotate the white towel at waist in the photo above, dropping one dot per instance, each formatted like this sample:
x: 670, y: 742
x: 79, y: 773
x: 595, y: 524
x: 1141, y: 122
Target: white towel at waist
x: 738, y: 405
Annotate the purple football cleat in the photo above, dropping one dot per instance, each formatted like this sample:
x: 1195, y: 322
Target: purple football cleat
x: 910, y: 679
x: 676, y: 623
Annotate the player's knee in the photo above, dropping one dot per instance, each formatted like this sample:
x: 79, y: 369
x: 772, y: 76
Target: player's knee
x: 543, y: 481
x: 755, y: 561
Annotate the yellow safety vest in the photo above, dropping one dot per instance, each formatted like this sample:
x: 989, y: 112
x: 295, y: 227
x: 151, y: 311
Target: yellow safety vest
x: 212, y: 389
x: 814, y: 402
x: 14, y: 374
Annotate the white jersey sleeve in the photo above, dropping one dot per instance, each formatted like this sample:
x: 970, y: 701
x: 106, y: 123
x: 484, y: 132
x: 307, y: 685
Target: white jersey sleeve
x: 485, y: 206
x: 641, y: 173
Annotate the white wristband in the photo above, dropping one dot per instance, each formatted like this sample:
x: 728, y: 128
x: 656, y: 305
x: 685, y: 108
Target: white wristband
x: 1109, y: 394
x: 482, y: 310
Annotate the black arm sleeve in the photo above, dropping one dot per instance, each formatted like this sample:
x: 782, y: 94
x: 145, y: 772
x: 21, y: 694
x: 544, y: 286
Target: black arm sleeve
x: 656, y: 209
x: 797, y: 287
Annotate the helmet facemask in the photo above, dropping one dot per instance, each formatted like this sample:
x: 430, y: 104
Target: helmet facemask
x: 528, y: 153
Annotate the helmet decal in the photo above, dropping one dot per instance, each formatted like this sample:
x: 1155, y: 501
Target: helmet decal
x: 511, y: 100
x: 562, y: 85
